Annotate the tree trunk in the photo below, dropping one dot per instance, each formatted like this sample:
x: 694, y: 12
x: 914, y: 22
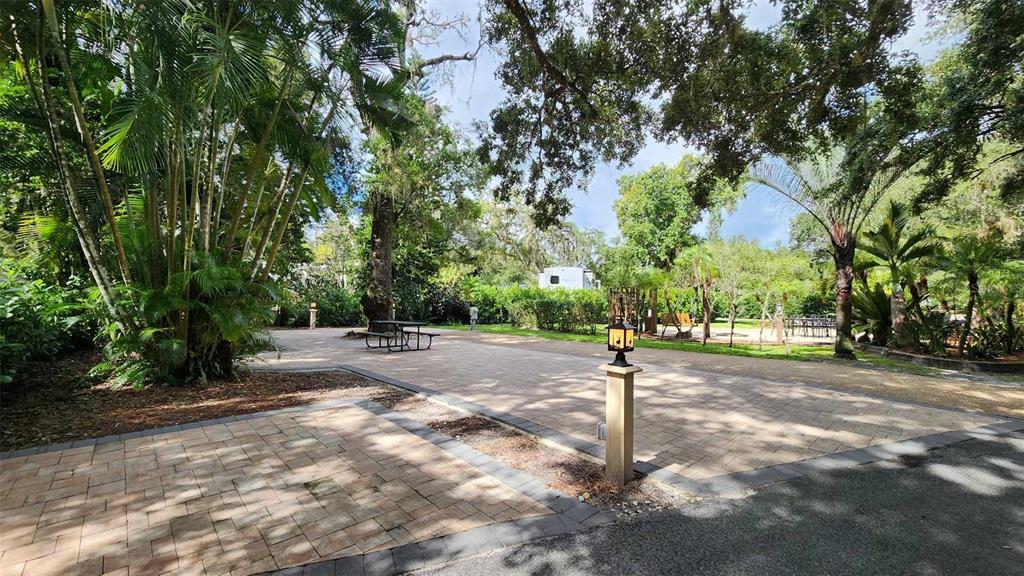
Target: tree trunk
x: 782, y: 321
x: 257, y: 166
x: 378, y: 301
x: 1011, y: 330
x: 972, y: 284
x: 87, y: 141
x: 732, y: 319
x: 764, y: 318
x: 705, y: 304
x: 843, y: 257
x: 284, y: 225
x: 268, y: 226
x: 898, y: 312
x: 86, y: 239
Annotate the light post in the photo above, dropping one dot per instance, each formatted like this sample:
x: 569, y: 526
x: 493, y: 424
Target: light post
x: 312, y: 315
x: 619, y: 404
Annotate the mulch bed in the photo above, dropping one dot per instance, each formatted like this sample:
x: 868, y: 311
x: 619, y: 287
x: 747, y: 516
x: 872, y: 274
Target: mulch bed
x: 57, y: 401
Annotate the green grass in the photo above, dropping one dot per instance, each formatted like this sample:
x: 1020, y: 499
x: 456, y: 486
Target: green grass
x: 724, y: 324
x: 802, y: 353
x: 777, y: 351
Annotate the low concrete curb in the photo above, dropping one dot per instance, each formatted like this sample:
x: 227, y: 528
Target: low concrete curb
x: 717, y: 485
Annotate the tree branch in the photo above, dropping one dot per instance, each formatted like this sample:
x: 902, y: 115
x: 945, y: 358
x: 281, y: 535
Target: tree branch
x: 417, y: 69
x: 522, y: 16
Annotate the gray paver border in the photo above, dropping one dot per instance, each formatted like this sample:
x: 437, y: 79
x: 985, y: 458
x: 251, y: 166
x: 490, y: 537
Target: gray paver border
x: 31, y: 451
x: 726, y: 483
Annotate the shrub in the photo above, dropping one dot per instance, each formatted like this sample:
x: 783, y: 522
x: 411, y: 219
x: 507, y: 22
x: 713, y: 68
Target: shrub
x: 226, y: 322
x: 560, y: 309
x: 814, y: 304
x: 491, y: 304
x: 336, y: 306
x: 444, y: 304
x: 40, y: 321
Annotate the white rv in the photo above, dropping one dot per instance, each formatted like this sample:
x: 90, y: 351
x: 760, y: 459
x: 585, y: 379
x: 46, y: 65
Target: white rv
x: 566, y: 277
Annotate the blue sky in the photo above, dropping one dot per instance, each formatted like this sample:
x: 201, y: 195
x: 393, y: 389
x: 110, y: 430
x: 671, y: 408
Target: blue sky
x: 472, y: 91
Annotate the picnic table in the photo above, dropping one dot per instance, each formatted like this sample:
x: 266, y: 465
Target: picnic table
x: 813, y: 326
x: 397, y: 335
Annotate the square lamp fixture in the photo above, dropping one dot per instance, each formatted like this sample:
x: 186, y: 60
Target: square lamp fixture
x: 620, y: 340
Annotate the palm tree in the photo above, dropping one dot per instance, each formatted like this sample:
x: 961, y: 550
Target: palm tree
x: 228, y: 118
x: 872, y: 313
x: 823, y: 187
x: 697, y: 267
x: 968, y: 257
x: 894, y: 246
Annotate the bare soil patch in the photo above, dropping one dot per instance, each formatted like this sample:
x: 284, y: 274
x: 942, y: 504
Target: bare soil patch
x: 567, y: 472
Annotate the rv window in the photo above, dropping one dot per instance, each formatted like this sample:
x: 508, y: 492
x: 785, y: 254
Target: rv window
x: 553, y: 280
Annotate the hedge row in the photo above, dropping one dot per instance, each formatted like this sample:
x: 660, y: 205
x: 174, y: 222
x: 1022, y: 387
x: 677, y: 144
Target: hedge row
x: 558, y: 309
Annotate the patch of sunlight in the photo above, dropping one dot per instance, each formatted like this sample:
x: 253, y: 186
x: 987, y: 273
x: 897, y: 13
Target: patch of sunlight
x: 972, y: 479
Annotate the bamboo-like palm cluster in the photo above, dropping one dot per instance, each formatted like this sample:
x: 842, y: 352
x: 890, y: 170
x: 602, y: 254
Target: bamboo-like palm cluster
x: 188, y: 137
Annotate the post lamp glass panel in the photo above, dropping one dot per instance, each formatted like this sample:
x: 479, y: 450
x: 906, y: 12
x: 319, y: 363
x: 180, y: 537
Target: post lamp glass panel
x: 620, y: 340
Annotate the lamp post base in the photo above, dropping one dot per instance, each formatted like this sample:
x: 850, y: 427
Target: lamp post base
x: 619, y: 423
x: 620, y: 360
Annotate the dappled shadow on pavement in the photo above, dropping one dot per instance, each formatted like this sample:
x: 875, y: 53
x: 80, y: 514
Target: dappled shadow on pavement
x: 961, y: 511
x: 697, y: 424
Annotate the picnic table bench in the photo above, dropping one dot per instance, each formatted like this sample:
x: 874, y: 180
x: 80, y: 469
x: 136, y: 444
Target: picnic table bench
x: 397, y: 335
x: 814, y: 326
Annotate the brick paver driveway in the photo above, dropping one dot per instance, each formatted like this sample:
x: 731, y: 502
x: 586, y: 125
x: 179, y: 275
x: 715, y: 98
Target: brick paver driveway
x: 698, y: 424
x: 241, y: 497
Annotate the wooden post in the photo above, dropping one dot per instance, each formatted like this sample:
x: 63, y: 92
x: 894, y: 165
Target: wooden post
x: 652, y: 312
x: 619, y: 422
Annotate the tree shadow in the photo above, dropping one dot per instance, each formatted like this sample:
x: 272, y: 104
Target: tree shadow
x: 959, y: 512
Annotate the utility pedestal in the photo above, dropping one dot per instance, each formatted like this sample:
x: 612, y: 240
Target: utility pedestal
x: 619, y: 423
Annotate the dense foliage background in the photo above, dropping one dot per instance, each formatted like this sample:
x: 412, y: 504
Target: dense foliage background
x: 176, y: 177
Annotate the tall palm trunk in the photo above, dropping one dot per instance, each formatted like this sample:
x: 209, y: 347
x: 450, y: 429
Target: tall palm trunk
x: 90, y: 146
x: 705, y: 304
x: 258, y: 163
x: 972, y: 299
x: 86, y: 238
x: 173, y: 183
x: 378, y: 302
x: 271, y: 220
x: 898, y: 312
x: 225, y: 171
x: 284, y: 225
x: 843, y: 249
